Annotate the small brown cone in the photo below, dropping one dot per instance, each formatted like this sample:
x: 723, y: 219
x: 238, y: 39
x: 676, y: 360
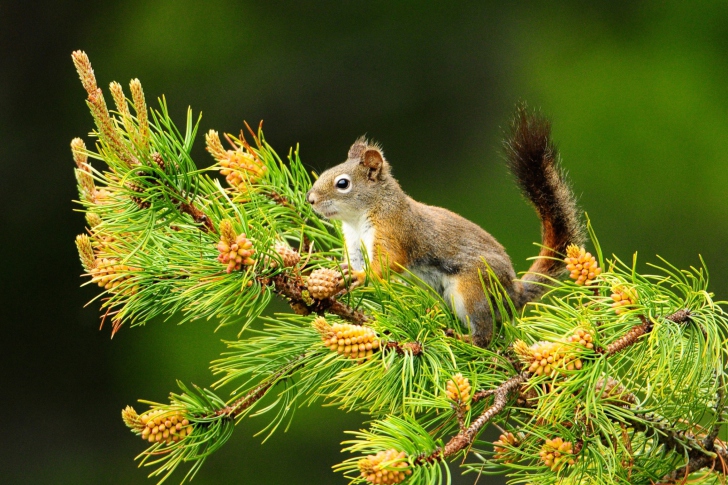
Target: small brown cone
x: 458, y: 390
x: 582, y: 266
x: 289, y: 256
x: 139, y: 200
x: 611, y: 391
x: 324, y: 283
x: 159, y: 161
x: 385, y: 468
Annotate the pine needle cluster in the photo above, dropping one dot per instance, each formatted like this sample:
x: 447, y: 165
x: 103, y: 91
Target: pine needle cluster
x: 615, y: 377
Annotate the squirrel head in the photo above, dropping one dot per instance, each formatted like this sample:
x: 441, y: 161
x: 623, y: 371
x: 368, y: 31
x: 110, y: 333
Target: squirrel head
x: 350, y: 189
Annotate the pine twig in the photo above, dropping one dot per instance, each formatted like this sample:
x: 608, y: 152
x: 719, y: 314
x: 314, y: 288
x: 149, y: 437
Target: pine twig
x: 502, y: 392
x: 291, y: 287
x: 198, y: 216
x: 631, y: 337
x: 414, y: 347
x: 718, y: 463
x: 464, y: 438
x: 257, y: 393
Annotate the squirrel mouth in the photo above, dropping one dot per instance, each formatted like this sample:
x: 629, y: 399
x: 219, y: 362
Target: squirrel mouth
x: 327, y: 211
x: 328, y: 214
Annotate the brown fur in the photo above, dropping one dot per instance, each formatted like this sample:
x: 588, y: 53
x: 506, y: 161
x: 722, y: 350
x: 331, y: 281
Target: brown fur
x: 444, y: 249
x: 533, y: 159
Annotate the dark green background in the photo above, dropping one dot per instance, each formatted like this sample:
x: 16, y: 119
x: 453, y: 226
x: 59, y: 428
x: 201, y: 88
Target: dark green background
x: 636, y: 90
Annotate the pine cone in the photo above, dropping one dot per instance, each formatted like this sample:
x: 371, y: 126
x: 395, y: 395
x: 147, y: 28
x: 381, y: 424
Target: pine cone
x: 544, y: 358
x: 458, y: 390
x: 555, y: 453
x: 353, y: 341
x: 139, y: 201
x: 393, y: 473
x: 235, y: 250
x: 610, y: 389
x: 289, y: 256
x: 108, y: 273
x: 581, y: 337
x: 622, y: 298
x: 159, y: 161
x: 164, y: 426
x: 501, y: 447
x: 324, y: 283
x: 582, y: 265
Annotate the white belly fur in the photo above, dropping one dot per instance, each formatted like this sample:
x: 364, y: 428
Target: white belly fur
x: 357, y: 234
x: 361, y: 234
x: 446, y: 286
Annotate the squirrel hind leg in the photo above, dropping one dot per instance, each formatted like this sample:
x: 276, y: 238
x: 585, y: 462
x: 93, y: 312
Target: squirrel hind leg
x: 467, y: 299
x: 481, y: 327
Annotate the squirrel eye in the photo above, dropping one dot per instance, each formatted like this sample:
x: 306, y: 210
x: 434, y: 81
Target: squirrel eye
x: 343, y: 183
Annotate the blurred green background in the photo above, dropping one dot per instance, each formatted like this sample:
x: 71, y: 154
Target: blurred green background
x: 636, y: 91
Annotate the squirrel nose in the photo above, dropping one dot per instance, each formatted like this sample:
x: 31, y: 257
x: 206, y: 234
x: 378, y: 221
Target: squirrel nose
x: 310, y: 197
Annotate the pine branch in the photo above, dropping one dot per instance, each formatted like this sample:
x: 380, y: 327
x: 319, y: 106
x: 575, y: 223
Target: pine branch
x: 631, y: 337
x: 258, y: 392
x: 465, y: 438
x: 165, y: 238
x: 292, y: 288
x: 414, y: 348
x: 698, y: 454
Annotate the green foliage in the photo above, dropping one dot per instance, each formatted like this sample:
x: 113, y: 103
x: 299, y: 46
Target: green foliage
x: 634, y: 405
x: 210, y: 432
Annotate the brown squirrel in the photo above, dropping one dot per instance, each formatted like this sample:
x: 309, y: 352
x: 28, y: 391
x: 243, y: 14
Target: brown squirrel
x: 442, y: 248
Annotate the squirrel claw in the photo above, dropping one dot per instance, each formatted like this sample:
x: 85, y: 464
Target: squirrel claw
x: 351, y: 277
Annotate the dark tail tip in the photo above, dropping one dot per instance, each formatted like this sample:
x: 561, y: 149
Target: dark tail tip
x: 531, y: 154
x: 534, y: 161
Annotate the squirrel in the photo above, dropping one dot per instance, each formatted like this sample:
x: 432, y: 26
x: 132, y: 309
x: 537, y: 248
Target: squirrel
x: 440, y: 247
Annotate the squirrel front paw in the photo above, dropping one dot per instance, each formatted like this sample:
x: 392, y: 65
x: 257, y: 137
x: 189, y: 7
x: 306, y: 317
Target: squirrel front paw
x: 352, y: 277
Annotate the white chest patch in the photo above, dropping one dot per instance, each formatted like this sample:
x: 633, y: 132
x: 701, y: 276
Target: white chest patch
x: 357, y: 234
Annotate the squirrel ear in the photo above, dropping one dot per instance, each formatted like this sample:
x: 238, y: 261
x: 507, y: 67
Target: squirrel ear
x: 373, y: 160
x: 357, y: 148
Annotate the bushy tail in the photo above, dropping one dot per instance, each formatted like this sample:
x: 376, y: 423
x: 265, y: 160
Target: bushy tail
x: 534, y: 161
